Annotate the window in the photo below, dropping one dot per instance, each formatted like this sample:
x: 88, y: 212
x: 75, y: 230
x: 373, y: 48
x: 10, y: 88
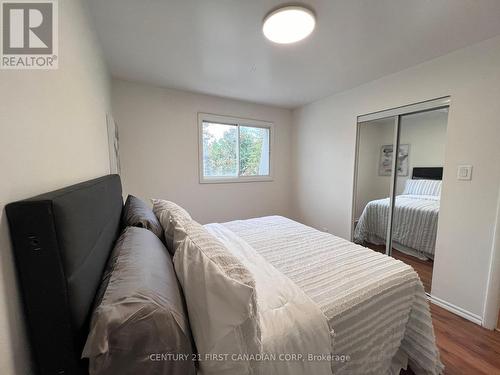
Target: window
x: 234, y: 150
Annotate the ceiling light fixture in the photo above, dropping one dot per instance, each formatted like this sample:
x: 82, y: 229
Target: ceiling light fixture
x: 289, y: 24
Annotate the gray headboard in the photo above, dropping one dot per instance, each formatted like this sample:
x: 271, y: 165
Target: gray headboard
x: 61, y: 243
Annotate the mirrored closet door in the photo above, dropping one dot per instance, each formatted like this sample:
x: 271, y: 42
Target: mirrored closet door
x: 397, y: 194
x: 373, y: 187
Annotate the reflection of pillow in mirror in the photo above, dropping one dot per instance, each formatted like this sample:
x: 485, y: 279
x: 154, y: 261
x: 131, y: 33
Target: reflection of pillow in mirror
x: 422, y: 187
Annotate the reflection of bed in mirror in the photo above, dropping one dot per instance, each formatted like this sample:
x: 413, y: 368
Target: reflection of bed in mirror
x: 415, y: 219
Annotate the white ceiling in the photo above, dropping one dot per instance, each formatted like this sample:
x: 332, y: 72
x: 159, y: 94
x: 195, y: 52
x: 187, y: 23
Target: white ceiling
x: 217, y: 46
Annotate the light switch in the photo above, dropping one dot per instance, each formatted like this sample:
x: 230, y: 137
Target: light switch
x: 464, y: 172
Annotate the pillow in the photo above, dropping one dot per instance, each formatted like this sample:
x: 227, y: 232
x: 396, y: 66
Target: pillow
x: 166, y: 212
x: 221, y: 301
x: 422, y: 187
x: 137, y: 213
x: 140, y: 318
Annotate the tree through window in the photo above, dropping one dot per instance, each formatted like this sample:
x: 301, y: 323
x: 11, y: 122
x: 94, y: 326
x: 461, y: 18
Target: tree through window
x: 234, y: 151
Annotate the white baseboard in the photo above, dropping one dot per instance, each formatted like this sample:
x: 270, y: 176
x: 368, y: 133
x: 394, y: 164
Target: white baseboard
x: 456, y: 310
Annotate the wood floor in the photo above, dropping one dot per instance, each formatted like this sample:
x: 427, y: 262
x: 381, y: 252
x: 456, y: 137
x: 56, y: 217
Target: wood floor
x: 465, y: 347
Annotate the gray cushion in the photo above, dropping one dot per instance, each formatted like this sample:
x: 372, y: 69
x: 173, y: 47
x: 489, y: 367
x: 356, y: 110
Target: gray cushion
x: 140, y: 314
x: 137, y: 213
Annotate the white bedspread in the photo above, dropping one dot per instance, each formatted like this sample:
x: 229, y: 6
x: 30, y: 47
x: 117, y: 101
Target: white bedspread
x: 415, y: 222
x: 290, y: 322
x: 375, y: 304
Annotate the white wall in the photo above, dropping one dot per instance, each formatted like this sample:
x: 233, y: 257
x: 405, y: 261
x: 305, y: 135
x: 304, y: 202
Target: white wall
x: 159, y: 152
x: 52, y: 133
x: 324, y: 145
x: 426, y: 135
x: 369, y: 185
x: 492, y: 306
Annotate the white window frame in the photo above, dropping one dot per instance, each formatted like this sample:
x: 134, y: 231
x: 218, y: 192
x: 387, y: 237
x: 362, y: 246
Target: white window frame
x: 220, y: 119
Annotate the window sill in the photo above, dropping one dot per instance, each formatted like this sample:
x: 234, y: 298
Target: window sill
x: 231, y: 180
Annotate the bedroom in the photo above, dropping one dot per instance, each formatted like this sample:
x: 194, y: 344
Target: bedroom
x: 155, y: 84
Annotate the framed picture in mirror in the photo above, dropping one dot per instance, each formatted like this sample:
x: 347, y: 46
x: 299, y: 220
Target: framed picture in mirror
x: 385, y: 161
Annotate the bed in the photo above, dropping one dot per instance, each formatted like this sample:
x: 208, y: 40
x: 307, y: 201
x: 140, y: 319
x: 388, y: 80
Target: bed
x: 363, y: 294
x: 416, y: 213
x: 374, y: 307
